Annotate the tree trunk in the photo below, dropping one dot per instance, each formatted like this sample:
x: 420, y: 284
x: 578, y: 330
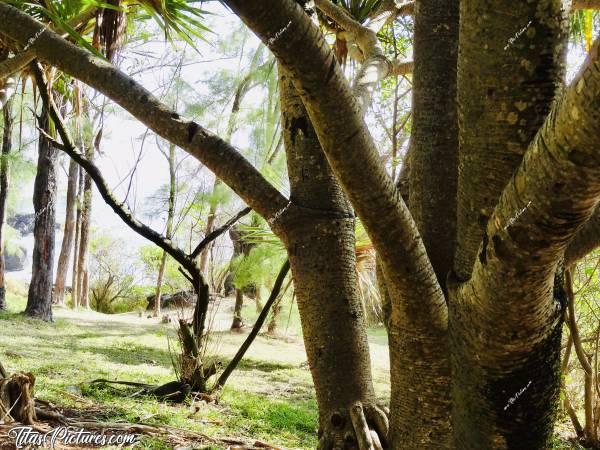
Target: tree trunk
x: 159, y: 281
x: 506, y: 361
x: 75, y: 275
x: 84, y: 235
x: 69, y: 231
x: 4, y: 185
x: 237, y: 310
x: 322, y: 254
x: 39, y: 301
x: 169, y: 228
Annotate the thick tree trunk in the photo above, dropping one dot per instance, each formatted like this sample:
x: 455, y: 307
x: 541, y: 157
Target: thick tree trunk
x: 322, y: 255
x: 39, y: 301
x: 69, y: 231
x: 4, y: 185
x: 84, y: 236
x: 506, y: 361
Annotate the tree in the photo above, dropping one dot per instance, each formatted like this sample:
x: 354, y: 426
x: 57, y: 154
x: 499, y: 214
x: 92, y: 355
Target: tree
x: 4, y: 186
x: 68, y: 236
x: 493, y: 342
x: 39, y: 300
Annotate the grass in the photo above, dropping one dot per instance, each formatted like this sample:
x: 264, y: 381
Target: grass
x: 268, y: 398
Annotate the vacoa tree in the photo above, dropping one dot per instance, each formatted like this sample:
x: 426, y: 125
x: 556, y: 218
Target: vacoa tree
x: 478, y: 322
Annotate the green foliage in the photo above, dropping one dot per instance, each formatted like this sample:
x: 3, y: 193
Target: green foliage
x: 173, y: 280
x: 113, y: 275
x: 259, y: 268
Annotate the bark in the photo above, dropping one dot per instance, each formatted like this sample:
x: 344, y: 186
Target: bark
x: 16, y: 399
x: 75, y: 274
x: 419, y: 312
x: 520, y: 52
x: 84, y: 236
x: 237, y: 310
x: 434, y: 133
x: 585, y: 241
x: 322, y: 255
x: 219, y: 156
x: 4, y: 186
x: 39, y: 301
x: 68, y: 236
x: 507, y: 342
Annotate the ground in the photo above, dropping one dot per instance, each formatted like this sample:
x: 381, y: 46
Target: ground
x: 268, y: 399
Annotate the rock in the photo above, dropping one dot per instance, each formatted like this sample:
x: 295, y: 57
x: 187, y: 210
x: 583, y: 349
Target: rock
x: 16, y: 261
x: 23, y: 223
x: 176, y: 300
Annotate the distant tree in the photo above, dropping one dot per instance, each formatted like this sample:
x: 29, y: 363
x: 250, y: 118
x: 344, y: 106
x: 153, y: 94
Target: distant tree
x: 39, y: 300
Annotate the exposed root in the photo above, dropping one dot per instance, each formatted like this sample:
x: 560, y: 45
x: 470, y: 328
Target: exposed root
x: 362, y: 427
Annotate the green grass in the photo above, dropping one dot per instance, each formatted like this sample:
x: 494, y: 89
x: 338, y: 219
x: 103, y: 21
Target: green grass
x: 269, y: 398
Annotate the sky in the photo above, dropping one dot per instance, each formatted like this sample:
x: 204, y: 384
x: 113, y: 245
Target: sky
x: 122, y: 142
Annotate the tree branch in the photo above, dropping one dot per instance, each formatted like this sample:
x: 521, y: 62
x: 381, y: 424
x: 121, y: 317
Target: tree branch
x: 585, y: 241
x: 353, y: 156
x: 218, y: 232
x: 256, y: 328
x: 119, y: 208
x: 219, y: 156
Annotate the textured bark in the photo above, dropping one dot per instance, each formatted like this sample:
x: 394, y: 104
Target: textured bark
x: 219, y: 156
x: 39, y: 300
x: 513, y: 332
x: 419, y: 313
x: 434, y: 132
x: 238, y: 322
x: 585, y: 241
x: 322, y: 257
x: 68, y: 236
x: 4, y: 186
x: 503, y: 99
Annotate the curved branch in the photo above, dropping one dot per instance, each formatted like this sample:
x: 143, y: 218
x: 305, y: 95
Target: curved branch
x: 585, y: 241
x: 119, y: 208
x: 219, y: 231
x: 353, y: 156
x: 219, y: 156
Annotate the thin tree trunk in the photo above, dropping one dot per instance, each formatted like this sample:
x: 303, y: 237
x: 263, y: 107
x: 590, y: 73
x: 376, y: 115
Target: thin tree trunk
x: 69, y: 231
x: 169, y: 226
x: 237, y: 310
x: 84, y: 235
x: 159, y: 282
x: 39, y: 301
x: 75, y: 275
x: 4, y: 185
